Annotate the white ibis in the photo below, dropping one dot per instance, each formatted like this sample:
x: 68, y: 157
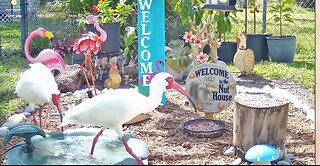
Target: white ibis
x: 37, y: 86
x: 116, y: 107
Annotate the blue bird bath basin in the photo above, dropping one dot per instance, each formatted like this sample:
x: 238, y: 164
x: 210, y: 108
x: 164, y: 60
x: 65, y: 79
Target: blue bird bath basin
x: 73, y: 147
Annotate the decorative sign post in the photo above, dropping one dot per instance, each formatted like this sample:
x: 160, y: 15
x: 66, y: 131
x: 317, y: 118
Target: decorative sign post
x: 211, y: 87
x: 151, y: 42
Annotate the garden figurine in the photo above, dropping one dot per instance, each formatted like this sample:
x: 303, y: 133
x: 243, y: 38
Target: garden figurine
x: 90, y: 43
x: 244, y: 57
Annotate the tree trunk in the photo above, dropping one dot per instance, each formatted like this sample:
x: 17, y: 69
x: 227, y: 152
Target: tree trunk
x: 259, y: 118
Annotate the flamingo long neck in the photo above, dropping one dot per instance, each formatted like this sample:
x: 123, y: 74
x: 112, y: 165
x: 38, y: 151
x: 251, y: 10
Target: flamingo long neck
x: 103, y: 34
x: 157, y: 65
x: 26, y: 46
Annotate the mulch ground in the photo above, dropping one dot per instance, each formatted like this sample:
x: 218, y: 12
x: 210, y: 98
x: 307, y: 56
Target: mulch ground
x: 169, y: 144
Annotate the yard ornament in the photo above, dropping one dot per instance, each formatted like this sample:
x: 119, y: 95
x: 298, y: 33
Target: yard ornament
x: 244, y: 57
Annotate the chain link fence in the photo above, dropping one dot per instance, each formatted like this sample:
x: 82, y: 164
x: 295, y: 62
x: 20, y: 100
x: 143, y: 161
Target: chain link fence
x: 303, y: 17
x: 303, y: 26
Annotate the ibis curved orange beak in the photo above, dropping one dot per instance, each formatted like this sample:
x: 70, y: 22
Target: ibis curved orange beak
x: 174, y: 85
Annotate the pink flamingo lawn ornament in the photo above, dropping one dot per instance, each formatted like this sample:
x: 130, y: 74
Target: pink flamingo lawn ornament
x: 151, y: 75
x: 48, y: 57
x: 90, y: 43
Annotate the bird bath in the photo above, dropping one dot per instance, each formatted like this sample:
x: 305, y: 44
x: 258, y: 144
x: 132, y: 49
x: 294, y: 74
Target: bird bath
x: 73, y: 147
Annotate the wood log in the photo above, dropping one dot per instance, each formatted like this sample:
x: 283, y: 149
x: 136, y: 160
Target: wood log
x: 259, y: 118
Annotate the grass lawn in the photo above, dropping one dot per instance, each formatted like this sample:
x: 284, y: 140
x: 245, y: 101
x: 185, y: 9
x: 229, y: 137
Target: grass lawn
x: 12, y: 64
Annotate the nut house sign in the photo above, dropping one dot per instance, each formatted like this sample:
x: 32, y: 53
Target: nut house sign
x: 211, y: 87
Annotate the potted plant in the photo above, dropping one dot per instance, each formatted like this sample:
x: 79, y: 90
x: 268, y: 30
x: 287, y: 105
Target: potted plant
x: 227, y: 49
x: 177, y: 59
x: 257, y: 42
x: 282, y: 48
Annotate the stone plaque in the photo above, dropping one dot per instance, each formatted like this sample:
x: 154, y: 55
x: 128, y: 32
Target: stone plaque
x: 211, y: 87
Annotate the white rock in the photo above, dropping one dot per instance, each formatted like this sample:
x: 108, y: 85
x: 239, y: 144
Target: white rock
x: 29, y: 109
x: 17, y: 118
x: 3, y: 131
x: 27, y: 114
x: 229, y: 151
x: 9, y: 124
x: 283, y: 162
x: 289, y: 156
x: 237, y: 161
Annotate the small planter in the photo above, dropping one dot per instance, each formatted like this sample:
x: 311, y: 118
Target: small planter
x: 281, y: 48
x: 258, y: 43
x: 201, y: 128
x: 112, y: 44
x: 227, y: 51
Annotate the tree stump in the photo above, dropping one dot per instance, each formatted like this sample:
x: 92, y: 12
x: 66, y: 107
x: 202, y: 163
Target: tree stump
x: 259, y: 118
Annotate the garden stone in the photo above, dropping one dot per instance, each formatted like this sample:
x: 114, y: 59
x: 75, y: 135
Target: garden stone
x: 17, y: 118
x: 27, y: 114
x: 29, y: 109
x: 237, y: 161
x: 3, y: 131
x: 287, y: 160
x: 229, y: 151
x: 283, y: 162
x: 289, y: 156
x: 9, y: 124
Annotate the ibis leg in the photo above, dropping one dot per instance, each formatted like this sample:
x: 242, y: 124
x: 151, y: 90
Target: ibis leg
x: 59, y: 109
x: 40, y: 116
x: 129, y: 150
x: 48, y: 116
x: 95, y: 140
x: 34, y: 119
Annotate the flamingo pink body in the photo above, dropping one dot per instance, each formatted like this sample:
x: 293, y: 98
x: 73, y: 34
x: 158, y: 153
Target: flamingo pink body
x: 48, y: 57
x: 90, y: 43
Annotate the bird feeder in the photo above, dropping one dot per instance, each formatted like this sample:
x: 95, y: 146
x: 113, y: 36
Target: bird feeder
x: 220, y: 5
x: 262, y: 154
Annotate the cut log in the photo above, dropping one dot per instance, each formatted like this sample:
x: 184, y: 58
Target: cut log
x: 259, y: 118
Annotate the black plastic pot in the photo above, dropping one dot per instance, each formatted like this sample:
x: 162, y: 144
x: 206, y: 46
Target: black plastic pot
x: 258, y: 43
x: 227, y: 51
x: 112, y: 44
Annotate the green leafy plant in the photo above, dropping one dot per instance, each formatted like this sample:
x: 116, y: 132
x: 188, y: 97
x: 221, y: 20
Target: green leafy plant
x: 177, y: 55
x: 109, y: 14
x: 224, y: 22
x: 188, y: 10
x: 129, y: 39
x: 282, y: 10
x: 75, y: 7
x: 255, y: 10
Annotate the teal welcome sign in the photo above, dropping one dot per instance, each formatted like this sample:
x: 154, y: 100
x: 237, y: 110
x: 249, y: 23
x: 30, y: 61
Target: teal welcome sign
x: 151, y: 42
